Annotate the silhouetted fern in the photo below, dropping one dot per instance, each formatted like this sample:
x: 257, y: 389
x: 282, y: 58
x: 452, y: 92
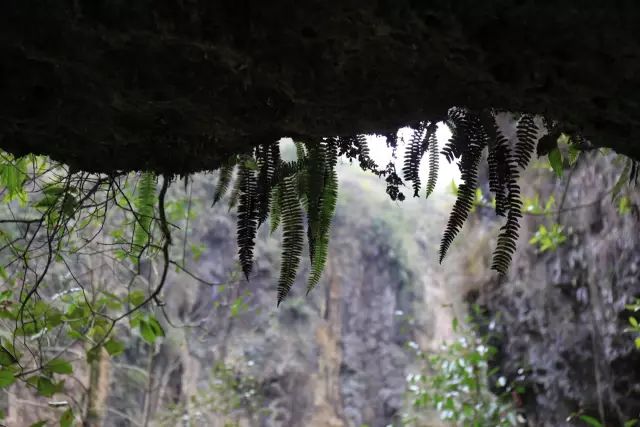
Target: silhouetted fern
x: 413, y: 157
x: 327, y: 210
x: 469, y: 160
x: 511, y: 204
x: 268, y: 159
x: 315, y: 177
x: 498, y: 159
x: 224, y: 179
x: 434, y: 159
x: 292, y: 237
x: 527, y: 133
x: 247, y: 216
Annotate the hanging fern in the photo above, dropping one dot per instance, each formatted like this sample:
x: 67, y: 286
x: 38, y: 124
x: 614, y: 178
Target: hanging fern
x: 292, y: 237
x: 224, y: 179
x: 470, y: 158
x: 458, y: 124
x: 235, y: 193
x: 247, y: 216
x: 511, y: 204
x: 315, y: 177
x: 144, y: 203
x: 268, y: 159
x: 498, y: 159
x: 329, y: 200
x: 276, y: 208
x: 284, y: 189
x: 527, y: 133
x: 413, y: 157
x: 434, y: 160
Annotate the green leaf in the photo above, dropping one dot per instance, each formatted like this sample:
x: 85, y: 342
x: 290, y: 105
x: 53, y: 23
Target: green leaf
x: 6, y: 378
x: 39, y: 424
x: 146, y: 331
x: 59, y: 366
x: 555, y: 160
x: 637, y: 342
x: 630, y: 423
x: 633, y: 322
x: 590, y: 420
x: 46, y: 387
x: 114, y: 347
x: 66, y: 420
x: 155, y: 326
x: 6, y: 357
x: 137, y: 297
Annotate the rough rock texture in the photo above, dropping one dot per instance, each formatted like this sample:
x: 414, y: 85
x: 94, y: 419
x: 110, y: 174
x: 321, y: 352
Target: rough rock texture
x: 177, y: 85
x: 561, y: 316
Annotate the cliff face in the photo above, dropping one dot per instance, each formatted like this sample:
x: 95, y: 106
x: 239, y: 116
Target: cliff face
x: 337, y: 357
x: 561, y: 317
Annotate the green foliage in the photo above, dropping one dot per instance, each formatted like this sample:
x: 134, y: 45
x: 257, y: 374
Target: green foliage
x: 548, y: 239
x: 144, y: 205
x: 230, y: 394
x: 292, y: 237
x: 454, y: 383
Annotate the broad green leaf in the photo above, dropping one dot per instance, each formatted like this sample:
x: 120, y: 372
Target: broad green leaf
x: 114, y: 347
x: 637, y: 342
x: 155, y: 326
x: 631, y: 423
x: 633, y: 321
x: 6, y: 357
x: 46, y: 387
x: 6, y: 378
x: 555, y: 160
x: 146, y: 331
x: 59, y: 366
x: 66, y: 420
x: 137, y: 297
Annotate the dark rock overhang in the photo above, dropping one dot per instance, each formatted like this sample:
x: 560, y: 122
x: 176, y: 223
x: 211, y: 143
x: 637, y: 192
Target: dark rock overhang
x: 175, y: 86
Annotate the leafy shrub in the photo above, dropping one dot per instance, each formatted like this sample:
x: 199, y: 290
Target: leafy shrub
x: 454, y: 383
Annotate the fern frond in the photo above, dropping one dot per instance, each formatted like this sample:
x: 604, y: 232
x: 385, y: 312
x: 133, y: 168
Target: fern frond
x: 301, y: 153
x: 527, y: 133
x: 468, y: 165
x: 247, y: 217
x: 329, y: 200
x: 235, y: 193
x: 268, y: 158
x: 458, y: 124
x: 276, y: 208
x: 292, y: 237
x: 498, y: 160
x: 224, y: 179
x: 507, y: 176
x: 412, y: 159
x: 315, y: 177
x: 144, y: 206
x: 434, y: 162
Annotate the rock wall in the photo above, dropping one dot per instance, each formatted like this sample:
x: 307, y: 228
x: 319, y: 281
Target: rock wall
x: 560, y: 317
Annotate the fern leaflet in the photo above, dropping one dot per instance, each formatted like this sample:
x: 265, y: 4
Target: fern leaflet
x: 329, y: 199
x: 527, y: 133
x: 144, y: 207
x: 292, y: 237
x: 434, y: 162
x: 247, y: 217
